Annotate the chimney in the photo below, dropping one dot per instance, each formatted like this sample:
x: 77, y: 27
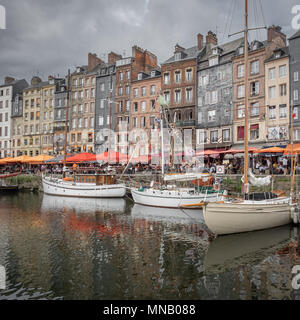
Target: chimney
x: 93, y: 61
x: 113, y: 57
x: 275, y: 32
x: 211, y: 38
x: 9, y: 80
x: 200, y: 41
x: 35, y: 81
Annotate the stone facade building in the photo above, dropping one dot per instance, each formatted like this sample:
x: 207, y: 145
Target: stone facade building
x: 144, y: 111
x: 294, y: 49
x: 105, y: 104
x: 17, y: 124
x: 127, y: 70
x: 277, y: 97
x: 82, y: 107
x: 258, y: 53
x: 215, y: 95
x: 8, y: 91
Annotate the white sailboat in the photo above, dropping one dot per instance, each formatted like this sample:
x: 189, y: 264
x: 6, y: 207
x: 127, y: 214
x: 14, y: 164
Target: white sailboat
x: 172, y: 196
x: 82, y: 186
x: 242, y: 215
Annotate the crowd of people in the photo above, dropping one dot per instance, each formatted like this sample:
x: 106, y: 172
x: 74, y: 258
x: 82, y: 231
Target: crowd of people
x: 259, y: 165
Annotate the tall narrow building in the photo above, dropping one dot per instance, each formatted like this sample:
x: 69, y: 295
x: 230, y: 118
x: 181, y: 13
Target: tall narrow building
x: 8, y: 92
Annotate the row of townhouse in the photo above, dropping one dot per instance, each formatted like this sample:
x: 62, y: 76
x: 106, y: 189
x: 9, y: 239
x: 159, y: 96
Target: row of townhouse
x: 114, y: 104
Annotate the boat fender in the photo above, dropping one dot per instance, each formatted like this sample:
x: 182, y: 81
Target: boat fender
x: 294, y: 215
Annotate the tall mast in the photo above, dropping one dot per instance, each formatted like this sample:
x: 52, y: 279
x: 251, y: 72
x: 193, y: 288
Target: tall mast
x: 246, y: 185
x: 162, y: 142
x: 67, y: 124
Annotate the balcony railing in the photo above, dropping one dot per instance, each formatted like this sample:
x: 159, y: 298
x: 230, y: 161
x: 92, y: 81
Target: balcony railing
x: 185, y: 123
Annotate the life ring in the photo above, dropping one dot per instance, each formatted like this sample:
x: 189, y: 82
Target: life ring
x: 216, y: 187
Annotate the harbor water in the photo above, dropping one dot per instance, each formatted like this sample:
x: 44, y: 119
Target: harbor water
x: 69, y: 248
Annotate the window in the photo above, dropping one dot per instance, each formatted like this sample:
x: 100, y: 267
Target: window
x: 296, y: 76
x: 241, y: 70
x: 282, y: 71
x: 177, y: 96
x: 241, y: 50
x: 213, y: 61
x: 120, y: 91
x: 107, y: 120
x: 241, y: 111
x: 86, y: 123
x: 189, y: 94
x: 214, y: 97
x: 296, y: 95
x: 153, y: 89
x: 121, y: 76
x: 214, y: 136
x: 202, y: 136
x: 166, y: 78
x: 167, y: 96
x: 189, y: 75
x: 177, y: 56
x: 254, y: 109
x: 200, y: 117
x: 282, y: 90
x: 102, y: 104
x: 296, y: 134
x: 143, y: 122
x: 128, y: 75
x: 100, y: 121
x: 240, y: 133
x: 212, y: 115
x: 127, y: 105
x: 140, y: 76
x: 241, y: 91
x: 272, y: 74
x: 102, y: 86
x: 254, y: 67
x: 143, y: 91
x: 135, y: 107
x: 128, y: 90
x: 143, y: 106
x: 254, y: 87
x: 120, y: 106
x: 203, y: 80
x: 134, y: 120
x: 135, y: 92
x: 272, y: 92
x: 272, y: 112
x: 295, y: 112
x: 226, y: 135
x: 254, y: 132
x: 282, y: 111
x: 177, y: 76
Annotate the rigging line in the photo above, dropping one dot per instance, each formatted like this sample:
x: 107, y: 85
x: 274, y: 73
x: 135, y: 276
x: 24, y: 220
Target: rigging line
x: 227, y: 21
x: 255, y: 14
x: 233, y: 11
x: 262, y: 12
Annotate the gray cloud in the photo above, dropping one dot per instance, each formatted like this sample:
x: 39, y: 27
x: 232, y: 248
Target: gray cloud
x: 48, y: 37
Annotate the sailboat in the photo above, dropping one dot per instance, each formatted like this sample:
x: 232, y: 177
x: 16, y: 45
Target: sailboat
x: 254, y: 212
x: 171, y: 195
x: 82, y: 185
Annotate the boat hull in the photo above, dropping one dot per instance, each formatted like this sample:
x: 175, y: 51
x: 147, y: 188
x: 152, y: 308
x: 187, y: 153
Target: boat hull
x: 83, y: 190
x: 230, y: 218
x: 171, y: 199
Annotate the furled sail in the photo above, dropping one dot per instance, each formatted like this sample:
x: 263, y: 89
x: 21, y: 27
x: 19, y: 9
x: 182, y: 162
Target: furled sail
x: 257, y: 182
x: 187, y: 177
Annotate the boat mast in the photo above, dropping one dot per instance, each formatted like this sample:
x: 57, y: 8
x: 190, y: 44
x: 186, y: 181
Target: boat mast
x: 246, y: 184
x: 162, y: 142
x: 66, y: 126
x: 293, y: 164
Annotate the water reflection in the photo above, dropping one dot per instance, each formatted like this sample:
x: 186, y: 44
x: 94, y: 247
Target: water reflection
x: 65, y: 248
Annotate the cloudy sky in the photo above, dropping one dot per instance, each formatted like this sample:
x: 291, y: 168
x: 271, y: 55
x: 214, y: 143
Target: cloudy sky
x: 46, y: 37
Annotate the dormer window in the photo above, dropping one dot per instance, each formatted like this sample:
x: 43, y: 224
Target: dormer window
x: 177, y: 56
x: 213, y: 61
x: 78, y: 70
x: 140, y: 76
x: 152, y: 73
x: 241, y: 50
x: 215, y: 51
x: 277, y: 55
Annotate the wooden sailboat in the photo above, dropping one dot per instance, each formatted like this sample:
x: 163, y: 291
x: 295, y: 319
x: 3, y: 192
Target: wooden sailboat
x: 82, y: 186
x: 172, y: 196
x: 237, y: 216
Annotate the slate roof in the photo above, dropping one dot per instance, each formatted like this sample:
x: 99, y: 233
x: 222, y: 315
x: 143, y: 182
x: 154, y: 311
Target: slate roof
x: 295, y: 35
x: 285, y: 53
x: 190, y: 53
